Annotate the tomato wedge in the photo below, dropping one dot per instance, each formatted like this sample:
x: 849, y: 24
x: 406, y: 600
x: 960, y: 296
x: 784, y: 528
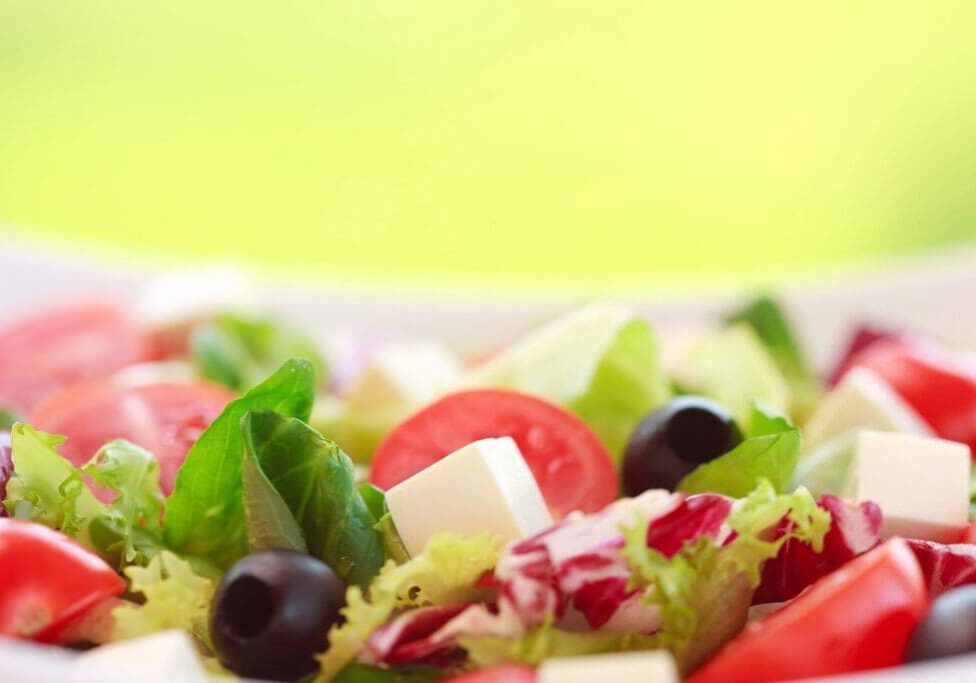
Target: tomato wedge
x: 61, y: 347
x: 570, y: 464
x: 503, y: 673
x: 47, y: 581
x: 164, y: 418
x: 859, y: 617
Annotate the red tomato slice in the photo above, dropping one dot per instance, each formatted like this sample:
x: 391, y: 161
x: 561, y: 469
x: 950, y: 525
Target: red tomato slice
x: 857, y: 618
x: 940, y: 387
x: 62, y: 347
x: 47, y: 580
x: 165, y: 419
x: 570, y: 464
x: 503, y: 673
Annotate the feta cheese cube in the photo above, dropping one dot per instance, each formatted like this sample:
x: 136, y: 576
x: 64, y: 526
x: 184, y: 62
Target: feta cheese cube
x: 861, y: 401
x: 409, y: 375
x: 163, y: 657
x: 484, y: 487
x: 653, y: 666
x: 921, y: 484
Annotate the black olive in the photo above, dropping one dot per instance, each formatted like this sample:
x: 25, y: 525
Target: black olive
x: 948, y: 629
x: 272, y: 612
x: 673, y: 440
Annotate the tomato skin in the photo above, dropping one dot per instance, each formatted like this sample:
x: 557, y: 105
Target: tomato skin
x: 857, y: 618
x: 164, y: 418
x: 61, y: 347
x: 940, y: 387
x: 969, y: 536
x: 570, y: 463
x: 502, y: 673
x: 47, y: 581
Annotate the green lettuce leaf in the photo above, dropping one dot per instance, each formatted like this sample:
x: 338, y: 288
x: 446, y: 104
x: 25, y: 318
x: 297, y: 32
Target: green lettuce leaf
x: 270, y: 523
x: 600, y: 362
x: 704, y: 590
x: 771, y: 454
x: 769, y: 322
x: 445, y: 573
x: 174, y: 597
x: 134, y: 516
x: 547, y: 641
x: 735, y: 368
x: 317, y: 482
x: 238, y: 352
x: 205, y: 513
x: 48, y: 489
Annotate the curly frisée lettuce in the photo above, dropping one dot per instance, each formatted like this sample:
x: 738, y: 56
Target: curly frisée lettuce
x: 174, y: 597
x: 445, y: 573
x: 704, y: 590
x: 135, y: 514
x: 48, y: 489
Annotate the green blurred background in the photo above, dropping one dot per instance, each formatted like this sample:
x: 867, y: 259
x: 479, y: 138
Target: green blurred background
x: 518, y: 140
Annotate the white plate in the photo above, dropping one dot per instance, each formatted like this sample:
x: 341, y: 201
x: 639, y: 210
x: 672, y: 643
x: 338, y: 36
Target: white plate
x: 930, y: 294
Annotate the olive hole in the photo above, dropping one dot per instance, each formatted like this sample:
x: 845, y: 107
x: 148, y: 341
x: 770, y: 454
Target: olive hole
x: 248, y: 607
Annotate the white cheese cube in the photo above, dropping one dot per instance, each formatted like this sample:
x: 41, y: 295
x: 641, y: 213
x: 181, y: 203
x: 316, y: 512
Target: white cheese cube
x: 408, y: 375
x: 164, y: 657
x: 652, y: 666
x: 921, y: 484
x: 484, y: 487
x: 861, y: 401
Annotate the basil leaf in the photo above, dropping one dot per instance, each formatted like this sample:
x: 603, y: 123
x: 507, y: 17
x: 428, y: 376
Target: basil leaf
x: 317, y: 482
x: 270, y: 523
x: 392, y: 543
x: 205, y: 514
x: 374, y: 498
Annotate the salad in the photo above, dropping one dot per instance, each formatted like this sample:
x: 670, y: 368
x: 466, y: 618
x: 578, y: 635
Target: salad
x: 213, y: 493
